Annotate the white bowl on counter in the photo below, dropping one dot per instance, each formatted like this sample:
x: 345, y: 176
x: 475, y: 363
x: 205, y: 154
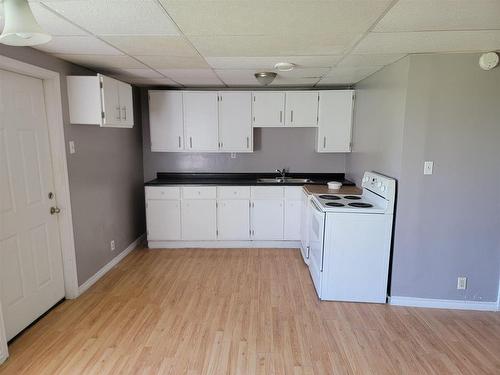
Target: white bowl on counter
x: 334, y: 185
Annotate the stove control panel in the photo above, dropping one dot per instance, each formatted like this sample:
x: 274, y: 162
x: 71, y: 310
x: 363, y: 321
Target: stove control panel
x: 379, y: 184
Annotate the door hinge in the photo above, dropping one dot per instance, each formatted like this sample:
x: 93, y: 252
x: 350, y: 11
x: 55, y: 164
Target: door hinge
x: 100, y: 85
x: 103, y: 115
x: 217, y: 232
x: 254, y: 98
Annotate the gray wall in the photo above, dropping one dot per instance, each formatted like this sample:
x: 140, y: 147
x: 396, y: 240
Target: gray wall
x: 273, y: 148
x: 105, y: 177
x: 447, y: 224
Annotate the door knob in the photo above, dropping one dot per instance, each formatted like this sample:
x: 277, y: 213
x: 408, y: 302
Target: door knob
x: 54, y: 210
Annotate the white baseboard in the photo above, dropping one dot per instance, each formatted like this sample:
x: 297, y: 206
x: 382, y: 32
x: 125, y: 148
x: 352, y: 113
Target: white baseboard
x: 443, y: 303
x: 87, y: 284
x: 223, y: 244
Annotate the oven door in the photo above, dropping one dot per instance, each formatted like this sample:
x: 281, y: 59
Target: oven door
x: 316, y: 235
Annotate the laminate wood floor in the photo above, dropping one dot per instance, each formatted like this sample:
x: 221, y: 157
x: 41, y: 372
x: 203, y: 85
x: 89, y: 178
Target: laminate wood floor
x: 249, y: 311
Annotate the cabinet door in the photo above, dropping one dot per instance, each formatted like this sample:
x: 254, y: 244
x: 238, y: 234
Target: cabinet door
x: 335, y: 121
x: 163, y: 220
x: 292, y: 220
x: 166, y: 121
x: 268, y: 109
x: 110, y: 102
x: 200, y: 120
x: 126, y: 104
x: 198, y: 219
x: 302, y: 108
x: 267, y: 219
x: 235, y: 121
x: 233, y: 220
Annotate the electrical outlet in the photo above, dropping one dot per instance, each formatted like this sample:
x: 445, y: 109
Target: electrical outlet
x: 462, y: 283
x: 72, y: 148
x: 112, y: 245
x: 233, y: 155
x: 428, y: 165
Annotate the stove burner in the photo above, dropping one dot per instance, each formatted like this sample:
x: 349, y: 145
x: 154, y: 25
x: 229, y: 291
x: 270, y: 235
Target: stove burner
x: 360, y: 205
x: 331, y: 197
x: 334, y: 204
x: 352, y: 197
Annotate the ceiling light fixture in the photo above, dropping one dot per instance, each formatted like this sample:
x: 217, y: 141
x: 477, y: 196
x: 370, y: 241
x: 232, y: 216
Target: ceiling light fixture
x: 21, y: 28
x: 265, y: 78
x: 489, y: 60
x: 284, y: 66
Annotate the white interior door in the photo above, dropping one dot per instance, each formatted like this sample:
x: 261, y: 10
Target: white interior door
x: 31, y: 273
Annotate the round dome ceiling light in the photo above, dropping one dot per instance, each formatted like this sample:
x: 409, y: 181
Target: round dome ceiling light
x: 265, y: 78
x: 284, y: 66
x: 488, y: 61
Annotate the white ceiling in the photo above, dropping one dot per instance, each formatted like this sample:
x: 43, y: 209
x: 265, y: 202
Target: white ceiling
x: 196, y: 43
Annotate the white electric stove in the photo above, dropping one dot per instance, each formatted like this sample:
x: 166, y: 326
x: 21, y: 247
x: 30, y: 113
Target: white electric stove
x: 350, y: 241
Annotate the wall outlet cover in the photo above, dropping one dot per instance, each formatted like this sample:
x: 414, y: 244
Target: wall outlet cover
x: 428, y: 166
x: 462, y: 283
x: 112, y: 245
x: 72, y: 148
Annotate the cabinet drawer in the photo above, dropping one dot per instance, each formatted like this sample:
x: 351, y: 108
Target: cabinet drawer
x: 293, y: 193
x: 162, y: 192
x: 267, y: 192
x: 199, y: 192
x: 233, y: 192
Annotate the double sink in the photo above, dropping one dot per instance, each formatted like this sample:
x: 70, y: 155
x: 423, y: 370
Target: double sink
x: 283, y: 180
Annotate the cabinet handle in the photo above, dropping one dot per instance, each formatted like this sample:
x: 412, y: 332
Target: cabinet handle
x: 190, y: 142
x: 324, y: 141
x: 179, y: 141
x: 221, y: 144
x: 118, y: 113
x: 281, y: 117
x: 248, y: 142
x: 124, y: 110
x: 291, y: 115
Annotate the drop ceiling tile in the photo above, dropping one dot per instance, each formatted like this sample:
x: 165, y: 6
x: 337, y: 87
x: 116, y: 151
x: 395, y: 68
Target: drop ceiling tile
x: 280, y: 45
x: 259, y: 63
x: 103, y: 61
x: 297, y: 77
x: 147, y: 45
x: 281, y: 81
x: 429, y: 41
x: 355, y: 61
x: 423, y: 15
x: 338, y: 76
x: 49, y: 21
x: 139, y: 73
x: 278, y: 17
x: 82, y: 45
x: 238, y: 78
x: 149, y: 81
x: 114, y: 17
x: 193, y: 77
x: 173, y: 62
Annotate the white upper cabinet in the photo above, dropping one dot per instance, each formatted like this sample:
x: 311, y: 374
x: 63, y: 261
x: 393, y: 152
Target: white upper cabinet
x: 268, y: 109
x: 166, y: 121
x: 100, y: 100
x: 235, y: 121
x: 200, y: 120
x: 335, y: 121
x: 301, y: 109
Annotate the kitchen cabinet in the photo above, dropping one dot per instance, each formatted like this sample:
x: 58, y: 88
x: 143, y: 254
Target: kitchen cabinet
x: 198, y: 219
x: 268, y: 109
x: 100, y: 100
x: 233, y: 219
x: 235, y: 121
x: 292, y: 220
x: 166, y: 120
x: 301, y: 108
x: 200, y: 120
x: 163, y: 220
x: 335, y: 114
x: 267, y: 219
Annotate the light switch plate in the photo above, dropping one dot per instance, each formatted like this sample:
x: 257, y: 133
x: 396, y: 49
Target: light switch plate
x: 72, y: 149
x: 428, y: 166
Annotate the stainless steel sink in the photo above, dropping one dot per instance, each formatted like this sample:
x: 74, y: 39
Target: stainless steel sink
x: 282, y: 180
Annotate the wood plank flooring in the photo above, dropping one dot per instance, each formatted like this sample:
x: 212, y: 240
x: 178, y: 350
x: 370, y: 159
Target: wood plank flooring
x: 248, y: 311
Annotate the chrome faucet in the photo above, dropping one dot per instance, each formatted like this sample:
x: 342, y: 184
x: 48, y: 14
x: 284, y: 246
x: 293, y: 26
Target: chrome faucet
x: 282, y: 172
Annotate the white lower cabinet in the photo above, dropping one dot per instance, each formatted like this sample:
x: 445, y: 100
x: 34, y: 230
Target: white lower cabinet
x: 267, y: 219
x: 163, y: 220
x: 198, y: 219
x: 233, y: 220
x: 292, y: 220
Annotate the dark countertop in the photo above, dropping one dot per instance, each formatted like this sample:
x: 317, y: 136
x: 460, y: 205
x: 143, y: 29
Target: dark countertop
x: 242, y: 179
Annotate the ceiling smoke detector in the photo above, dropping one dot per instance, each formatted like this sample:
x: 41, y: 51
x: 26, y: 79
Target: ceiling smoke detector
x: 284, y: 66
x: 265, y: 78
